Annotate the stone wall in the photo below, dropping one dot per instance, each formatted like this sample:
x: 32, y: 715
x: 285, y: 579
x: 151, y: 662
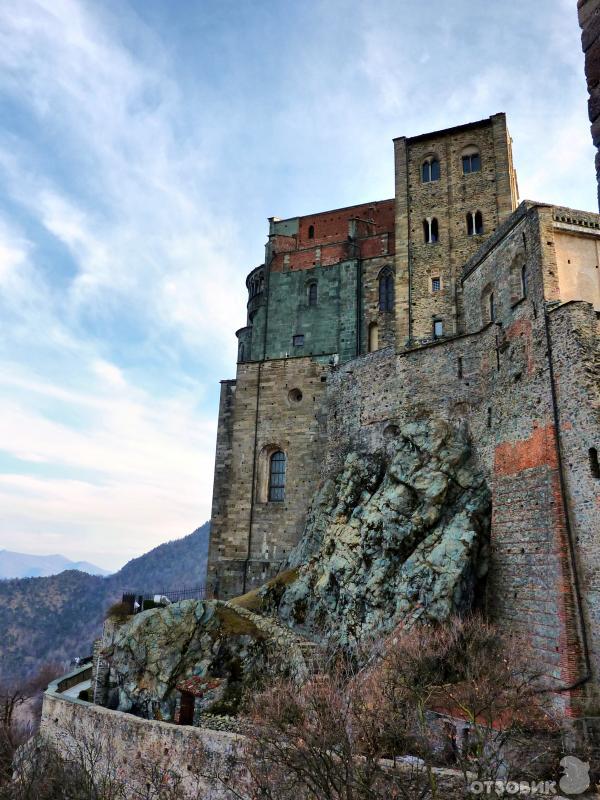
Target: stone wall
x: 130, y: 748
x: 261, y: 413
x: 589, y: 20
x: 491, y: 191
x: 497, y: 379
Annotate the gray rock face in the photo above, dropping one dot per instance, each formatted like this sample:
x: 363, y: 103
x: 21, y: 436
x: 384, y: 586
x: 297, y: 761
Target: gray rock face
x: 398, y: 537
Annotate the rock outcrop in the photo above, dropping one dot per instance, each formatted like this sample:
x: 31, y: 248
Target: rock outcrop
x: 398, y: 536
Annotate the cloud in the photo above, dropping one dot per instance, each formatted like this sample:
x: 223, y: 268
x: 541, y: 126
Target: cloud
x: 143, y: 146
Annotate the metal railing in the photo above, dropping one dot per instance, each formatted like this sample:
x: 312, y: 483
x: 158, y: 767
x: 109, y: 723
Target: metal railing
x: 137, y: 601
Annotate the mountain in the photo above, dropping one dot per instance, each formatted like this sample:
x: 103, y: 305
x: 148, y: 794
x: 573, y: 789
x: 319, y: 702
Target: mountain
x: 24, y: 565
x: 55, y: 618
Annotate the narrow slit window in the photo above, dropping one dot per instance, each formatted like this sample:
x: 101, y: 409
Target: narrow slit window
x: 492, y: 307
x: 478, y: 223
x: 594, y: 463
x: 277, y: 477
x: 386, y: 290
x: 312, y: 294
x: 524, y: 281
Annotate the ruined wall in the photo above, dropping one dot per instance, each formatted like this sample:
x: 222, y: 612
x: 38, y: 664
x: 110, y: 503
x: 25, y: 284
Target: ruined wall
x: 259, y: 415
x: 589, y: 20
x: 491, y: 190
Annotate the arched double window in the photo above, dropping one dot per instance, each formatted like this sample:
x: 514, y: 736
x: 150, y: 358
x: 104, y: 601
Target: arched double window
x: 430, y: 230
x: 471, y: 160
x: 474, y: 223
x: 277, y: 465
x: 386, y: 290
x: 430, y: 170
x: 313, y: 294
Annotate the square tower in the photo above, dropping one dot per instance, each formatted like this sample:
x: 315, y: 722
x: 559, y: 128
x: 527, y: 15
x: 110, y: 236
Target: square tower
x: 453, y: 188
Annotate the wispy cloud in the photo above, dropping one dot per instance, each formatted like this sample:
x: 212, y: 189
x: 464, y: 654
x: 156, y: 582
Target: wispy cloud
x: 143, y: 147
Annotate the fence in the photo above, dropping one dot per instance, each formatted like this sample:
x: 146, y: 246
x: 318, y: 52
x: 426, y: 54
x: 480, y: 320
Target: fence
x: 139, y: 602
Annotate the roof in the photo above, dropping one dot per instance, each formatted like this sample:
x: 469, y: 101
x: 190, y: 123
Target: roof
x: 467, y: 126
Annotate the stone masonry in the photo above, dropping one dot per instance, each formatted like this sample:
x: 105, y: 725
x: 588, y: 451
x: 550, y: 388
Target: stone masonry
x: 516, y: 358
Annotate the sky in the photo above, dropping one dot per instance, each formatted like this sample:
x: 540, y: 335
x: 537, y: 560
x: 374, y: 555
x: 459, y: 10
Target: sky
x: 143, y: 145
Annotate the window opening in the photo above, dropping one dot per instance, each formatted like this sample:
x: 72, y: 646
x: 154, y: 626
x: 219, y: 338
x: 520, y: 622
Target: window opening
x: 277, y: 477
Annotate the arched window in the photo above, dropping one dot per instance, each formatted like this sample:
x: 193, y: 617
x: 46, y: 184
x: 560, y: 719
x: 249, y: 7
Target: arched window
x: 311, y: 231
x: 474, y: 223
x: 491, y: 307
x: 488, y: 305
x: 312, y: 294
x: 386, y: 290
x: 277, y: 477
x: 241, y: 352
x: 471, y: 160
x: 430, y: 230
x: 373, y: 337
x: 430, y: 170
x: 518, y: 278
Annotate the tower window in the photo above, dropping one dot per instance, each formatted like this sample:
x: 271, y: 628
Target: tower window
x: 277, y: 477
x: 386, y: 290
x: 311, y: 231
x: 430, y: 230
x: 241, y: 352
x: 373, y: 337
x: 471, y: 161
x: 594, y: 463
x: 524, y: 280
x: 430, y: 170
x: 298, y: 340
x: 438, y: 328
x: 312, y: 294
x: 474, y: 223
x: 492, y: 307
x: 436, y: 284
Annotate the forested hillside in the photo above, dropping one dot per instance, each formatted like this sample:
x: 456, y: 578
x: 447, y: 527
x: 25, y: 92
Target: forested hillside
x: 57, y: 618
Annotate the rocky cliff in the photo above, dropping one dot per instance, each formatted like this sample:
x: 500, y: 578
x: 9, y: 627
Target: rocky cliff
x: 398, y: 536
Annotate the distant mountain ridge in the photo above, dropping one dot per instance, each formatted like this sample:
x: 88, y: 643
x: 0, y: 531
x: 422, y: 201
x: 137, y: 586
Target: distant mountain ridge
x: 55, y: 618
x: 26, y: 565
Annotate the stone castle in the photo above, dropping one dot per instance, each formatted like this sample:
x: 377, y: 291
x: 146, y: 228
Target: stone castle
x: 447, y: 302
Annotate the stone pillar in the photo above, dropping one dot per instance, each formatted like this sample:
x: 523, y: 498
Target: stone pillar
x: 402, y: 291
x: 589, y: 20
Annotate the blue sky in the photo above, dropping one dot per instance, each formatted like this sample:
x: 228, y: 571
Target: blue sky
x: 143, y: 145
